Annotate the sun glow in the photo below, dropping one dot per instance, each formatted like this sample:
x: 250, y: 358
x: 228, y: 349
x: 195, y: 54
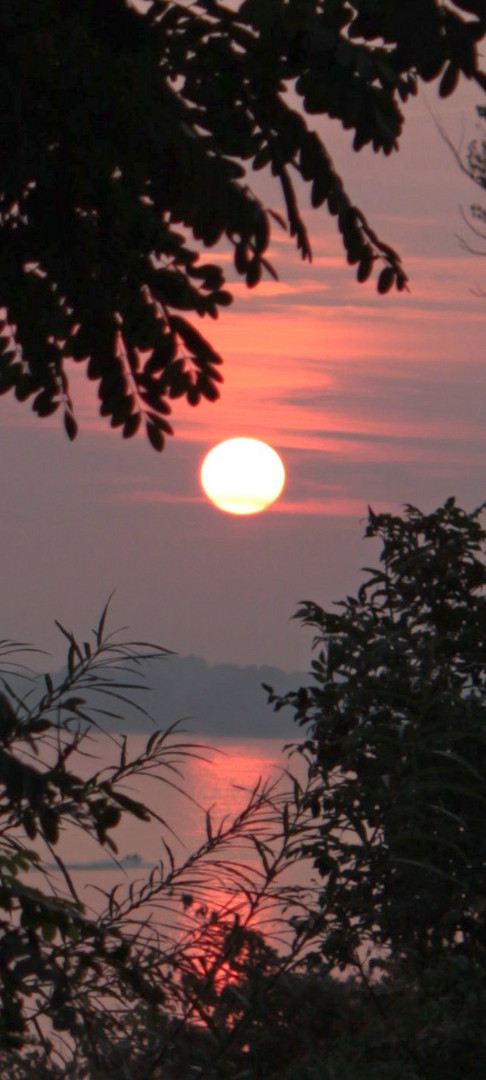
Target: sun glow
x: 242, y: 476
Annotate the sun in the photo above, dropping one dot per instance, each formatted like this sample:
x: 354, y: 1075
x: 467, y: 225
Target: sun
x: 242, y: 476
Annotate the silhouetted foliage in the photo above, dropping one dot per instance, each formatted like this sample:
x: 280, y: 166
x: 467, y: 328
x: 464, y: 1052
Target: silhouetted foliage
x: 395, y: 741
x: 398, y: 1030
x: 49, y: 945
x: 126, y: 145
x: 476, y: 162
x: 473, y: 164
x: 475, y: 167
x: 78, y: 987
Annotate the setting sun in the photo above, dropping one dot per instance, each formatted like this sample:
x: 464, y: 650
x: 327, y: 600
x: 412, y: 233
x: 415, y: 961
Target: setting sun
x: 242, y: 476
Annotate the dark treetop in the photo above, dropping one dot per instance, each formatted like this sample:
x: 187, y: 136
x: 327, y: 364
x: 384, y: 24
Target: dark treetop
x: 395, y: 738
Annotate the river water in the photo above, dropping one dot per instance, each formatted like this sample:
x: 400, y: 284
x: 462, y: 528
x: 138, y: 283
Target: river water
x: 217, y: 777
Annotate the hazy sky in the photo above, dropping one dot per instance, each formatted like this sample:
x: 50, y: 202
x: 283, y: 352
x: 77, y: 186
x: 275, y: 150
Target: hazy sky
x: 368, y: 399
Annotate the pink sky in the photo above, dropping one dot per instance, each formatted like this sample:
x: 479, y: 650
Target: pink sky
x: 368, y: 399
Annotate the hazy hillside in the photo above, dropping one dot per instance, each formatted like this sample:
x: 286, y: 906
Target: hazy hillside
x: 222, y: 699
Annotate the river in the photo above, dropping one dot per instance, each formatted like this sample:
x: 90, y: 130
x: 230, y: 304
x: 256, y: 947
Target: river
x: 217, y: 777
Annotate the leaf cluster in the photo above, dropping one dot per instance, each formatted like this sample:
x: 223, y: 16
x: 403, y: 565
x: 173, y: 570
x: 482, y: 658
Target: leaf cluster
x: 475, y: 167
x: 127, y: 148
x: 395, y: 741
x: 41, y: 794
